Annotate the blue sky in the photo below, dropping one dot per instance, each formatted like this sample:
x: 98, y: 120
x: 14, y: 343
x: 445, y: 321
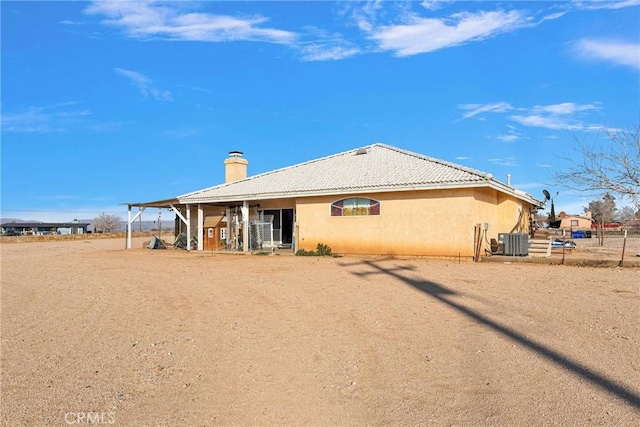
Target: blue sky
x: 111, y: 102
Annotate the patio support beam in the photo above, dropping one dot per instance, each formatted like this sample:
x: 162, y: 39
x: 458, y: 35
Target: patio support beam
x: 229, y: 221
x: 130, y: 221
x: 245, y: 226
x: 200, y: 227
x: 182, y: 218
x: 188, y: 207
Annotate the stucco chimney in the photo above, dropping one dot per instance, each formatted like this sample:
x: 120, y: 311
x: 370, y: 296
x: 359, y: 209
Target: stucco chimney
x: 589, y: 215
x: 235, y: 167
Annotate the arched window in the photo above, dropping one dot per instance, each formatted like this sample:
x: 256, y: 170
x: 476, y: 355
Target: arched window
x: 354, y: 206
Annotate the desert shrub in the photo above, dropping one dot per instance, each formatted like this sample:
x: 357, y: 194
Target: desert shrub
x: 321, y: 250
x: 303, y: 252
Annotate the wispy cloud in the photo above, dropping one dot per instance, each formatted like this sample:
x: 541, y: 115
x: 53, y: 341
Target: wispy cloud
x: 434, y: 4
x: 145, y: 85
x: 615, y: 52
x: 324, y: 46
x: 510, y: 137
x: 507, y: 161
x: 476, y: 109
x: 563, y: 108
x: 605, y: 4
x: 562, y: 116
x: 321, y: 52
x: 548, y: 122
x: 53, y: 118
x: 175, y: 21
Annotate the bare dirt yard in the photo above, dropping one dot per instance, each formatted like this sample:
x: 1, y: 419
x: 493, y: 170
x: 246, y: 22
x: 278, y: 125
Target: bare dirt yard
x: 93, y: 334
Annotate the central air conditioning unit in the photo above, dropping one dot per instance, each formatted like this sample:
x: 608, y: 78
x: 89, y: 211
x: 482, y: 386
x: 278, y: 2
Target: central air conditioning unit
x: 515, y: 244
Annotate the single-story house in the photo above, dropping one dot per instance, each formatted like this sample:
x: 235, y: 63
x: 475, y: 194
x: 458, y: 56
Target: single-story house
x: 574, y: 222
x: 377, y: 199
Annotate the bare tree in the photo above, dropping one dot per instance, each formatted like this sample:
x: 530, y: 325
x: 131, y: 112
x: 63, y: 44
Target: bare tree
x: 626, y: 213
x: 611, y: 164
x: 107, y: 223
x: 602, y: 211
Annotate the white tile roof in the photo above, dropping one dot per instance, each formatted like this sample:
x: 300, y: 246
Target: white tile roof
x: 379, y: 168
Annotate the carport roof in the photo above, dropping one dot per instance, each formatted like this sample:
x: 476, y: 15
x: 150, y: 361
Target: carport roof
x: 374, y: 168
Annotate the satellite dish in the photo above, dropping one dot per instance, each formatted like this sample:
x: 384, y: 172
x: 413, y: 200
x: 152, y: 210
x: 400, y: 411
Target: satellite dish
x: 547, y: 196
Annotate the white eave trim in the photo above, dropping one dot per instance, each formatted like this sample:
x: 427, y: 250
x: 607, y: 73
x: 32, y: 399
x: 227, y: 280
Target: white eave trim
x: 283, y: 195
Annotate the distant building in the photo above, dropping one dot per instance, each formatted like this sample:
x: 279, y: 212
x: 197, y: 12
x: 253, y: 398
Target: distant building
x: 573, y: 222
x: 41, y: 228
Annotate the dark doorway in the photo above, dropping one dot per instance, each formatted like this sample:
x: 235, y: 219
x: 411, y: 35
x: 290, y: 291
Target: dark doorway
x: 287, y: 226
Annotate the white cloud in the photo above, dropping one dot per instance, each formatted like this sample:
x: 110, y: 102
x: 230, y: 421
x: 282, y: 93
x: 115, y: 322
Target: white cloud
x: 605, y: 4
x: 548, y: 122
x: 145, y: 85
x: 421, y: 35
x: 561, y: 116
x: 508, y: 137
x: 173, y: 21
x: 553, y: 16
x: 507, y: 161
x: 325, y: 46
x: 475, y: 109
x: 319, y: 52
x: 434, y: 4
x: 616, y: 52
x: 53, y: 118
x: 563, y: 108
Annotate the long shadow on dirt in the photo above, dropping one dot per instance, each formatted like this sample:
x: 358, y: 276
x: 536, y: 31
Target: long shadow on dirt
x: 440, y: 293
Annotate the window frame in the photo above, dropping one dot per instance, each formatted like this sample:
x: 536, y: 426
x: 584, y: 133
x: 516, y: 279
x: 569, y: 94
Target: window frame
x: 339, y: 205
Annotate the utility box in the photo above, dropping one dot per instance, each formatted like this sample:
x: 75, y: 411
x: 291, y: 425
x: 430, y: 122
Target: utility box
x: 515, y: 244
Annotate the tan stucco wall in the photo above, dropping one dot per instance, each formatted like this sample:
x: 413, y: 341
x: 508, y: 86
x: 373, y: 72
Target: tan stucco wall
x: 436, y: 223
x: 583, y: 223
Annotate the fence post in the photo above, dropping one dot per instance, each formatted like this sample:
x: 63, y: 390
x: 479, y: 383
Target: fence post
x: 624, y: 244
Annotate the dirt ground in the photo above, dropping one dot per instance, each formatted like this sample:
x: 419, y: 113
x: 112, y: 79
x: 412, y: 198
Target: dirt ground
x: 93, y: 334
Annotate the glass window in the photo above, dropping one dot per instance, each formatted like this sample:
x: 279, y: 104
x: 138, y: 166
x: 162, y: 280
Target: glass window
x: 574, y: 222
x: 355, y: 206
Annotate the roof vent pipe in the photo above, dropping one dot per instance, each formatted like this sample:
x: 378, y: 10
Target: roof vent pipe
x: 509, y: 179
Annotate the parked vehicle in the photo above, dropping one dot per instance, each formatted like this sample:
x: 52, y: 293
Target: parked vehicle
x: 568, y: 244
